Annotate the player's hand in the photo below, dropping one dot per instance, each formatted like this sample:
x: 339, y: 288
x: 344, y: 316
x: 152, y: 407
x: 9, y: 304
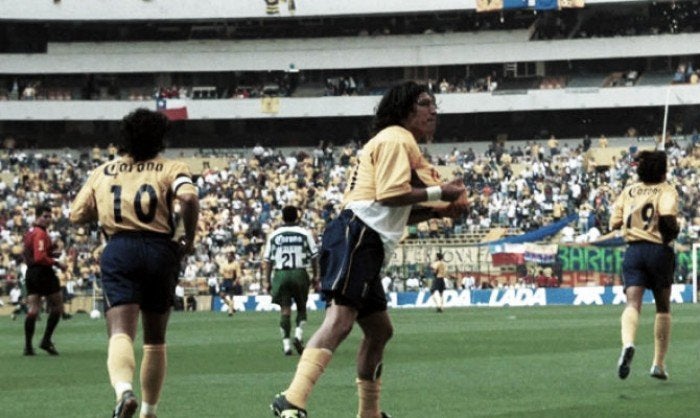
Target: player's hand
x: 456, y: 208
x: 185, y: 247
x: 452, y: 190
x: 461, y: 205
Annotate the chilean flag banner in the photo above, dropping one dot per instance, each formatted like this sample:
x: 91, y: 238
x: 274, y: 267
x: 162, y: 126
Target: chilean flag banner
x: 507, y: 254
x: 173, y: 109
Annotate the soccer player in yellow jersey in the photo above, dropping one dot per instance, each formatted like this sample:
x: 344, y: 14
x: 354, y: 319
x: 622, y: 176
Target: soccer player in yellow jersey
x: 389, y: 179
x: 437, y: 288
x: 231, y: 273
x: 646, y: 213
x: 132, y: 199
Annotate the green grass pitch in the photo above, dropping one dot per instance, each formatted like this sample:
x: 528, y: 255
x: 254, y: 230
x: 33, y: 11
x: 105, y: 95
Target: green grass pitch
x: 466, y: 362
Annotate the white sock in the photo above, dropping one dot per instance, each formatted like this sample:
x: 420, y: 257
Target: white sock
x: 147, y: 409
x: 121, y: 387
x: 299, y: 332
x: 285, y: 343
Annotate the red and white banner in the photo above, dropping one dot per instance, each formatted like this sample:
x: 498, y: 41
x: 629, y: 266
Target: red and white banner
x: 507, y: 254
x: 174, y: 109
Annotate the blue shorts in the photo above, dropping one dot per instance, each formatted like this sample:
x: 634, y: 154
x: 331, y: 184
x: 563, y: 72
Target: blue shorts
x: 140, y: 268
x: 438, y: 285
x: 648, y: 265
x: 227, y: 287
x: 351, y: 259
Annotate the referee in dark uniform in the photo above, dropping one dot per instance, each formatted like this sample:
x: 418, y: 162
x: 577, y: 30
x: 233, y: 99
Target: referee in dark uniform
x: 41, y: 280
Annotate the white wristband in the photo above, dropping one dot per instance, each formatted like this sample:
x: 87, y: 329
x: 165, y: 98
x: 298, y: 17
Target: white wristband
x: 434, y: 193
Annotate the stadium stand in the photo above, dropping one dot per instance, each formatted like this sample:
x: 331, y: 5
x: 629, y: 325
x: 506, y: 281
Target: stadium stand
x: 81, y: 74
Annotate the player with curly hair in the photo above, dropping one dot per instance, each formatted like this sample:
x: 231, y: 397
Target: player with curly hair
x: 133, y: 197
x: 385, y: 188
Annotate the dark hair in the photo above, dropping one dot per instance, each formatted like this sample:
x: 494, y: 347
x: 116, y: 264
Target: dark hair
x: 142, y: 133
x: 651, y: 166
x: 397, y: 104
x: 290, y: 214
x: 439, y: 256
x: 41, y: 208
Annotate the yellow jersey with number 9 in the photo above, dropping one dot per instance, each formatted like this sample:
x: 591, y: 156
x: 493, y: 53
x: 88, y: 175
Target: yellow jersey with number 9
x: 127, y: 196
x: 639, y: 208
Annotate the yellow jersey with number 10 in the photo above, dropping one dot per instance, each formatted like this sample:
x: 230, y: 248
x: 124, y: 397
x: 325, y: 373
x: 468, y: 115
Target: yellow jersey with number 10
x: 127, y: 196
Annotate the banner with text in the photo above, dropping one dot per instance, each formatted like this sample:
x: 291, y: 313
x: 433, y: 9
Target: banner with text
x: 606, y: 259
x: 575, y: 296
x: 456, y: 256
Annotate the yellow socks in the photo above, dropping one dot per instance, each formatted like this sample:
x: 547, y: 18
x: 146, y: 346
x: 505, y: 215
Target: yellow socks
x: 368, y: 394
x: 153, y: 367
x: 629, y: 323
x: 121, y: 363
x: 311, y: 366
x: 662, y: 334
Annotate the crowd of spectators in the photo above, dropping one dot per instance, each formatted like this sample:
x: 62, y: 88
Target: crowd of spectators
x: 686, y: 74
x: 520, y: 187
